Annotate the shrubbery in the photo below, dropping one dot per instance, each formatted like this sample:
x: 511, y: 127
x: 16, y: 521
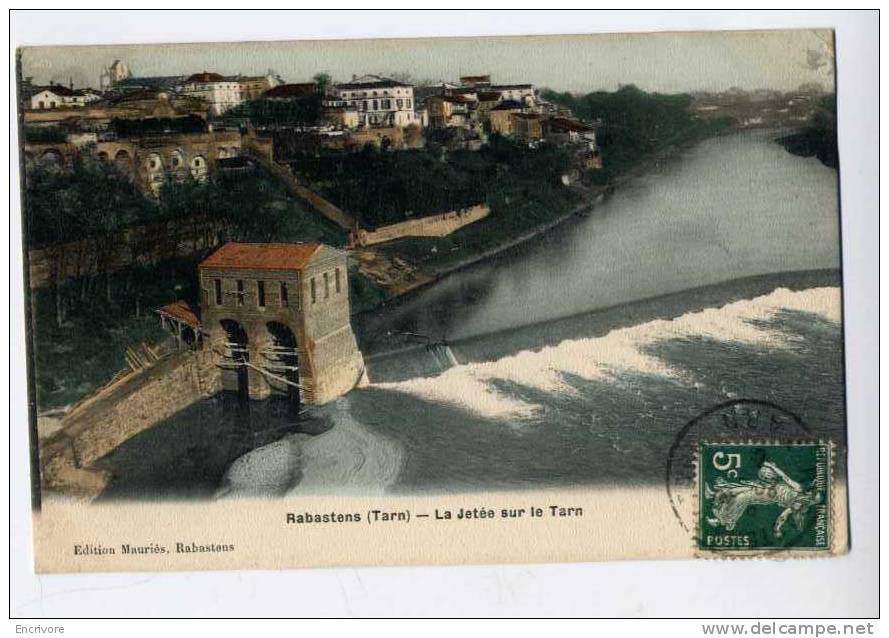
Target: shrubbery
x: 635, y: 123
x: 266, y: 112
x: 820, y: 138
x: 381, y: 188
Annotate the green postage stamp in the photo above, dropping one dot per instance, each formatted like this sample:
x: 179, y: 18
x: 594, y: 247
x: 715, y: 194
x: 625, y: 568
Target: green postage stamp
x: 764, y: 496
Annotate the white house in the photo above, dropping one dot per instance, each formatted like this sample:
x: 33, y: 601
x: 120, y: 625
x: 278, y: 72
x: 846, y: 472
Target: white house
x: 219, y: 92
x: 522, y: 93
x: 57, y: 96
x: 379, y: 101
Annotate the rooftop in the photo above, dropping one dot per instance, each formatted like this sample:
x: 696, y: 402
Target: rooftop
x: 140, y: 94
x: 58, y: 89
x: 565, y: 124
x: 455, y: 99
x: 158, y: 81
x: 275, y: 256
x: 235, y: 163
x: 205, y: 76
x: 292, y: 90
x: 371, y: 82
x: 508, y: 105
x: 181, y: 311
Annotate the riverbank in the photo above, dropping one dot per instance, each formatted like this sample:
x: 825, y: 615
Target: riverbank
x: 411, y: 279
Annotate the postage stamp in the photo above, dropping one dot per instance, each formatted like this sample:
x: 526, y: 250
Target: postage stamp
x: 764, y: 496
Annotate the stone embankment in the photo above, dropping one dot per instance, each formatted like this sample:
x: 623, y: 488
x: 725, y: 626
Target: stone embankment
x: 130, y: 404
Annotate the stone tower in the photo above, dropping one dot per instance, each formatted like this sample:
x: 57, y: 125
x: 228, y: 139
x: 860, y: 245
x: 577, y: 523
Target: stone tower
x: 117, y: 72
x: 277, y: 315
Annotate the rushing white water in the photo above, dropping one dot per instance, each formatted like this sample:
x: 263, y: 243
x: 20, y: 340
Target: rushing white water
x: 619, y: 352
x: 347, y: 457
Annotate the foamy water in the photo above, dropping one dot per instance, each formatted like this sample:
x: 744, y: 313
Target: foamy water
x: 622, y: 351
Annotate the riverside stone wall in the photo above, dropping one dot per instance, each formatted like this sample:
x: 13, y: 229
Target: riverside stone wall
x: 119, y: 412
x: 438, y: 225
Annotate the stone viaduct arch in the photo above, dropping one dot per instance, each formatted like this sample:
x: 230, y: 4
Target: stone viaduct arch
x: 149, y: 161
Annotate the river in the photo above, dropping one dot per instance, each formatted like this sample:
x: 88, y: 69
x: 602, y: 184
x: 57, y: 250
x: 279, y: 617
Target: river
x: 575, y: 358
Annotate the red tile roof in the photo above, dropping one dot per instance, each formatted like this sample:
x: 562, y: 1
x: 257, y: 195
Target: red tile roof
x: 181, y: 311
x: 261, y: 256
x: 58, y: 89
x: 206, y: 76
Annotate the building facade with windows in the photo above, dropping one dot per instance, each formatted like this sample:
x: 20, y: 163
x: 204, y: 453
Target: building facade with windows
x: 220, y: 93
x: 527, y: 127
x: 278, y: 316
x: 379, y: 101
x: 523, y: 93
x: 58, y: 96
x: 252, y: 86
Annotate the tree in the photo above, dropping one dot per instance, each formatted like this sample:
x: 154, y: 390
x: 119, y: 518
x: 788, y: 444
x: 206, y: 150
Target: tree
x: 323, y: 80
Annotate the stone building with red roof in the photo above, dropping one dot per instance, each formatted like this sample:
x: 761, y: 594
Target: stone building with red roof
x: 278, y: 316
x: 219, y: 92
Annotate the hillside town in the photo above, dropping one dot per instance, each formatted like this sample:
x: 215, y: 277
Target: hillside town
x: 165, y: 128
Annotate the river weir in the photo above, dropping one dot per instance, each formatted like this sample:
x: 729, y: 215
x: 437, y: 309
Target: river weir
x: 575, y: 358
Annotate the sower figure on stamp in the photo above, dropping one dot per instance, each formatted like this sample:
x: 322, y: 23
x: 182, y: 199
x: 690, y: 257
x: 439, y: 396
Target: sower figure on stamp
x: 732, y: 498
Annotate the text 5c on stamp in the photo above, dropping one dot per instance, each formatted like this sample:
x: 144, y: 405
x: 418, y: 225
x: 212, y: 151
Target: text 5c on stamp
x: 764, y: 496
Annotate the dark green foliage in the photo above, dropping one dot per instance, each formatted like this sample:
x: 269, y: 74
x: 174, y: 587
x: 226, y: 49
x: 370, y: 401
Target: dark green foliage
x: 635, y: 124
x: 159, y: 125
x: 104, y: 315
x: 266, y: 112
x: 96, y: 201
x: 44, y: 135
x: 364, y: 294
x: 323, y: 80
x: 253, y: 208
x: 381, y: 188
x: 89, y: 201
x: 820, y: 138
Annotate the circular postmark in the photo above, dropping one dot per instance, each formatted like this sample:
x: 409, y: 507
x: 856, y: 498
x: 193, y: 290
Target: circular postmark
x: 732, y: 421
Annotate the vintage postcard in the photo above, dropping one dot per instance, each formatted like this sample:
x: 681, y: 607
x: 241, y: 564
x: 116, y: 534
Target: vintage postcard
x: 424, y: 301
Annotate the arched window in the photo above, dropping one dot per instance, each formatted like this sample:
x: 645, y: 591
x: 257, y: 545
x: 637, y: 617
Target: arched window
x: 178, y: 168
x: 154, y: 169
x: 199, y: 168
x: 154, y: 164
x: 122, y: 161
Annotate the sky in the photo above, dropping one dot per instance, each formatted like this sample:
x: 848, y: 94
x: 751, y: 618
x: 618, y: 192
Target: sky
x: 663, y: 62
